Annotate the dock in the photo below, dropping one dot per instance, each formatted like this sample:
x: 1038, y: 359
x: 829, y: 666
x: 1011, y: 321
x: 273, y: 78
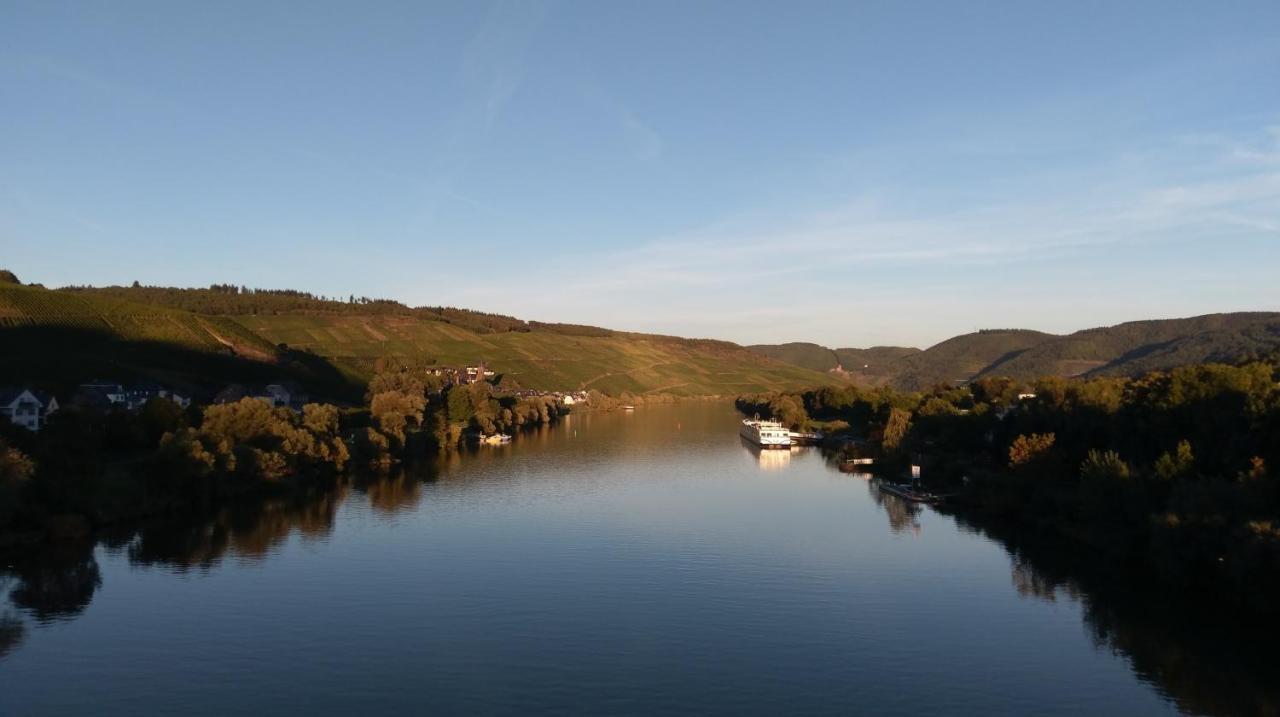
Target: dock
x: 906, y: 492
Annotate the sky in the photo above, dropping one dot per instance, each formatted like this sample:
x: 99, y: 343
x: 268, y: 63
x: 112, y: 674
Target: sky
x: 848, y: 173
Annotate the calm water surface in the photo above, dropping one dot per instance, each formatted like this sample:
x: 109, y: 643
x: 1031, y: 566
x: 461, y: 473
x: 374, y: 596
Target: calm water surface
x: 618, y: 563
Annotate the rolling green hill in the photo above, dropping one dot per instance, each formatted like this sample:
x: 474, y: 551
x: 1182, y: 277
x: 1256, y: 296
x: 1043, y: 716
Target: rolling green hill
x: 876, y: 365
x: 206, y: 337
x: 963, y: 357
x: 811, y: 356
x: 1125, y: 349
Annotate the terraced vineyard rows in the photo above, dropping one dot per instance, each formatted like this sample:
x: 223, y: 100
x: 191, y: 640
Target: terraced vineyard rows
x: 75, y: 335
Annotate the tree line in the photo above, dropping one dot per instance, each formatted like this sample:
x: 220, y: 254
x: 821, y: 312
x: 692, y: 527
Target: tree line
x: 90, y: 467
x: 1173, y: 472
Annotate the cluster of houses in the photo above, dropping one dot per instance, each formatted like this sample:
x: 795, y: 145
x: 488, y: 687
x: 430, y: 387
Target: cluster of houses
x: 572, y: 399
x: 464, y: 374
x: 30, y: 407
x: 108, y: 395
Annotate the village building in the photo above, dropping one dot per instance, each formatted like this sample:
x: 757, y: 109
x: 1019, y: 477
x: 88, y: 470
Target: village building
x: 285, y: 394
x: 27, y: 407
x: 472, y: 374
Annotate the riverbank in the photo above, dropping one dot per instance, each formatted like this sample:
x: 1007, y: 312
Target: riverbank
x: 1171, y: 473
x: 656, y: 530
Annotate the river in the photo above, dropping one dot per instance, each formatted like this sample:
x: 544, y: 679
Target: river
x: 617, y: 563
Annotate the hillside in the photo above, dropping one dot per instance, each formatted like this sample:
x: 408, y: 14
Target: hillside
x: 1138, y: 346
x: 811, y: 356
x: 873, y: 365
x: 57, y: 339
x: 876, y: 365
x: 203, y: 338
x: 963, y: 357
x: 1124, y: 349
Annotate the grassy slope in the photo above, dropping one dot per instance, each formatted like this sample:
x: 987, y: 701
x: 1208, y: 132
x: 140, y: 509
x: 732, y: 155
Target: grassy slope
x: 57, y: 338
x: 540, y: 358
x: 811, y: 356
x: 876, y: 365
x: 34, y: 307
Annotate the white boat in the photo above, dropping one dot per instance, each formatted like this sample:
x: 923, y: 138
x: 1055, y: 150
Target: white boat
x: 496, y: 439
x: 766, y: 434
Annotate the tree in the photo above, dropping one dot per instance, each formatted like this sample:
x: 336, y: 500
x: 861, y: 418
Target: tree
x: 895, y: 428
x: 995, y: 390
x: 16, y: 470
x: 159, y: 416
x: 1104, y: 465
x: 789, y: 411
x: 395, y: 411
x: 1029, y: 449
x: 1179, y: 464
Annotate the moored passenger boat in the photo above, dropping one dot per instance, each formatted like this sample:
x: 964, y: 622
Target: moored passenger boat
x: 766, y: 434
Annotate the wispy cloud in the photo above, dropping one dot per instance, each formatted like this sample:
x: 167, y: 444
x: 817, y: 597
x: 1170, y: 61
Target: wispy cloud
x: 707, y: 276
x: 645, y: 143
x: 494, y: 62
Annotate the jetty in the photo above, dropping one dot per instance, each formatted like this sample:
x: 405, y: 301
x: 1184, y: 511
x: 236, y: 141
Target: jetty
x: 909, y: 493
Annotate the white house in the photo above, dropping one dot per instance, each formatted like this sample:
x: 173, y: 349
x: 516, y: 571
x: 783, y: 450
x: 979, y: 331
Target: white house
x: 27, y: 407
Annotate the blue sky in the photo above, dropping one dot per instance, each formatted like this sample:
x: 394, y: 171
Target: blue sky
x: 847, y: 173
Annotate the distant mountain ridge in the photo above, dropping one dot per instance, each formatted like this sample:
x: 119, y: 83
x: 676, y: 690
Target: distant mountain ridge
x: 1127, y: 349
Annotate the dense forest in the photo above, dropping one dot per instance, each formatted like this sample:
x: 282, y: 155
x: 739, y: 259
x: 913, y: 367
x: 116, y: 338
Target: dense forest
x: 1173, y: 472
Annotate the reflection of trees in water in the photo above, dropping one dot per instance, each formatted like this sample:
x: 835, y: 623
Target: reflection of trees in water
x: 244, y: 530
x: 56, y: 582
x: 51, y: 583
x: 1203, y: 657
x: 393, y: 494
x: 903, y: 515
x: 11, y: 632
x: 60, y: 580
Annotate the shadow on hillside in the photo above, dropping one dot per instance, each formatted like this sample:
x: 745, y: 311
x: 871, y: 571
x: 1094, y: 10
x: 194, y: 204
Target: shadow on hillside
x: 57, y: 358
x: 993, y: 368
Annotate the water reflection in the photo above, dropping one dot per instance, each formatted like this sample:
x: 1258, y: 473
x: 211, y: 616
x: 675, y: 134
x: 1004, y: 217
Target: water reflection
x: 53, y: 583
x: 904, y: 516
x: 12, y: 630
x: 1180, y: 644
x: 1166, y: 641
x: 769, y: 459
x: 393, y: 494
x: 249, y: 531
